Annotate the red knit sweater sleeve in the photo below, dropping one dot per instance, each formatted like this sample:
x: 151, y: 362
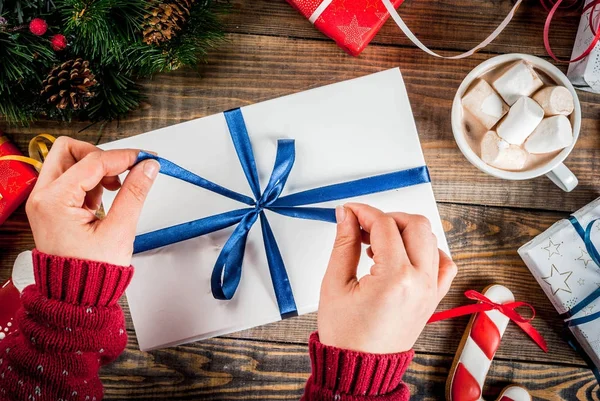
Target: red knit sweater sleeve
x: 342, y: 375
x: 69, y: 326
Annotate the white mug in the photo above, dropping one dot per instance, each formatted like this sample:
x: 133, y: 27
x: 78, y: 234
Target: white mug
x: 554, y: 169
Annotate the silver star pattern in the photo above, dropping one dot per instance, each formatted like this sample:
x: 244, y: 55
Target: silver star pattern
x: 581, y: 282
x: 558, y: 280
x: 571, y: 303
x: 353, y: 33
x: 6, y: 173
x: 552, y: 249
x: 588, y: 310
x: 585, y: 258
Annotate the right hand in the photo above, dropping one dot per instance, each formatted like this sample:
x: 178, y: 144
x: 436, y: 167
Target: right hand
x: 61, y: 209
x: 383, y: 312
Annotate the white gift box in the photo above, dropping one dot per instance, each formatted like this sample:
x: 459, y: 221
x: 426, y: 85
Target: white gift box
x: 345, y: 131
x: 585, y: 74
x: 559, y: 260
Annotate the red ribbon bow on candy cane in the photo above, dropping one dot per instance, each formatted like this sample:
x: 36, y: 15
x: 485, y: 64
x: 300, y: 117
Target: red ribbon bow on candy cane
x: 485, y: 304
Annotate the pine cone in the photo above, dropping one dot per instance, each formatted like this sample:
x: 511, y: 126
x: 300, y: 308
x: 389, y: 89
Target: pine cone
x: 69, y: 84
x: 164, y: 21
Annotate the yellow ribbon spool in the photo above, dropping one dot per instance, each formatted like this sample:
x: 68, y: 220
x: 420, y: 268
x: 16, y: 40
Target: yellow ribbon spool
x: 38, y: 150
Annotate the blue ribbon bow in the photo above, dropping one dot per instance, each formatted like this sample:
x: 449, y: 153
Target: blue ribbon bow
x: 227, y: 272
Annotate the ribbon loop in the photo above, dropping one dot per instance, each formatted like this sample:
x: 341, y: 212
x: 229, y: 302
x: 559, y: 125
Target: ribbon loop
x: 227, y: 272
x: 485, y: 304
x: 38, y: 150
x: 284, y: 161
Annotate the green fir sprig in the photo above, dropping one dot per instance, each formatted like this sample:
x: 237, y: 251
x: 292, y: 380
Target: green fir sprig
x: 107, y: 33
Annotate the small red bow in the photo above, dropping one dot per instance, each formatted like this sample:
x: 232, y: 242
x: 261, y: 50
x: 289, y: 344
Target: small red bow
x: 485, y: 304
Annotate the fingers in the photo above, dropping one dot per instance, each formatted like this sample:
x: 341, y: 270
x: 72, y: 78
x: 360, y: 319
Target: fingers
x: 65, y: 152
x: 89, y: 172
x: 387, y: 245
x: 111, y: 183
x: 447, y: 272
x: 126, y: 208
x: 420, y: 243
x: 93, y: 198
x: 346, y: 250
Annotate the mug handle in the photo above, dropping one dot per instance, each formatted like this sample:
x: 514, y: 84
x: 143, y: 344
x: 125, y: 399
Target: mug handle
x: 563, y: 178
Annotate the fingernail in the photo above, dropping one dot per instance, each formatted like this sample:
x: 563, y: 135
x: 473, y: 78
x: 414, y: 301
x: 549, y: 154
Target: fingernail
x: 151, y: 168
x: 340, y: 214
x: 151, y: 152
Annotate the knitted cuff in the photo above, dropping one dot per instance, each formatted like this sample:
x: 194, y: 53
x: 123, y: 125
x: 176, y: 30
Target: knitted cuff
x: 356, y: 373
x: 79, y: 281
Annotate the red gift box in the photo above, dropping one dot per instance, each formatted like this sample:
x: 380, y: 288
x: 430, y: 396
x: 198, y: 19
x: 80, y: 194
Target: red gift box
x: 351, y: 23
x: 16, y: 180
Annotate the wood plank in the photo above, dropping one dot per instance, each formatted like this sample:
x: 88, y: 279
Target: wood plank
x: 484, y: 243
x: 254, y: 68
x: 458, y: 25
x: 228, y: 369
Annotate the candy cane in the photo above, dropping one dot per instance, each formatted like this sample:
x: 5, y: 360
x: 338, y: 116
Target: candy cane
x: 476, y: 352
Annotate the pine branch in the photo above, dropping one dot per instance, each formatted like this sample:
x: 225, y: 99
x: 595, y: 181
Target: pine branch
x: 25, y: 60
x: 102, y: 29
x: 201, y: 33
x: 118, y: 95
x: 21, y: 11
x: 107, y: 33
x: 23, y: 55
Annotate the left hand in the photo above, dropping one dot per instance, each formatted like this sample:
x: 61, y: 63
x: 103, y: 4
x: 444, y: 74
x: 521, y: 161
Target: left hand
x: 61, y: 209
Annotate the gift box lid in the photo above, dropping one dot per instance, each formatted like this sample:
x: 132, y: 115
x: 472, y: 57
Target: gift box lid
x: 351, y: 24
x: 345, y: 131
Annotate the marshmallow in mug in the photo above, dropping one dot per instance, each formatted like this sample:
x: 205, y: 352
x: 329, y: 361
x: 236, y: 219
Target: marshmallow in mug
x: 517, y: 81
x: 555, y: 100
x: 498, y: 153
x: 522, y: 118
x: 485, y: 104
x: 552, y: 134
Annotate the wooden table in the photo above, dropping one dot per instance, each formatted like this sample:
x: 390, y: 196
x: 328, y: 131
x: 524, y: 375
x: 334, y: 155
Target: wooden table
x: 272, y: 51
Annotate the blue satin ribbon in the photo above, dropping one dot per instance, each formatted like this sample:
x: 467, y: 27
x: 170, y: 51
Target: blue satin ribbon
x: 586, y: 236
x: 227, y: 271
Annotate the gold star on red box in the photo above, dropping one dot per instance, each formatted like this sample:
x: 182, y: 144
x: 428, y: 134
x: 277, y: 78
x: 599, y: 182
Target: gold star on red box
x: 14, y: 187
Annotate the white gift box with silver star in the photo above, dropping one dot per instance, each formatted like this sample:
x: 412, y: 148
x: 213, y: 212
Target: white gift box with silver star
x: 559, y: 261
x: 585, y: 74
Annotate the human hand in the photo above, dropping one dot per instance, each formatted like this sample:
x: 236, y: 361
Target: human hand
x: 383, y: 312
x: 61, y: 209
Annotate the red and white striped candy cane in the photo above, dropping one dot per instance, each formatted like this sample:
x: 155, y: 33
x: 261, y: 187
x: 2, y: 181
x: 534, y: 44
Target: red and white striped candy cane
x: 476, y: 352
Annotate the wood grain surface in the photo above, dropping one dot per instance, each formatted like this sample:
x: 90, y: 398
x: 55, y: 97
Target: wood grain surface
x: 270, y: 51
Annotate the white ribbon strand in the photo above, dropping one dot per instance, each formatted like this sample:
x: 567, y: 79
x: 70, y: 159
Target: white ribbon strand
x: 317, y: 13
x: 396, y: 17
